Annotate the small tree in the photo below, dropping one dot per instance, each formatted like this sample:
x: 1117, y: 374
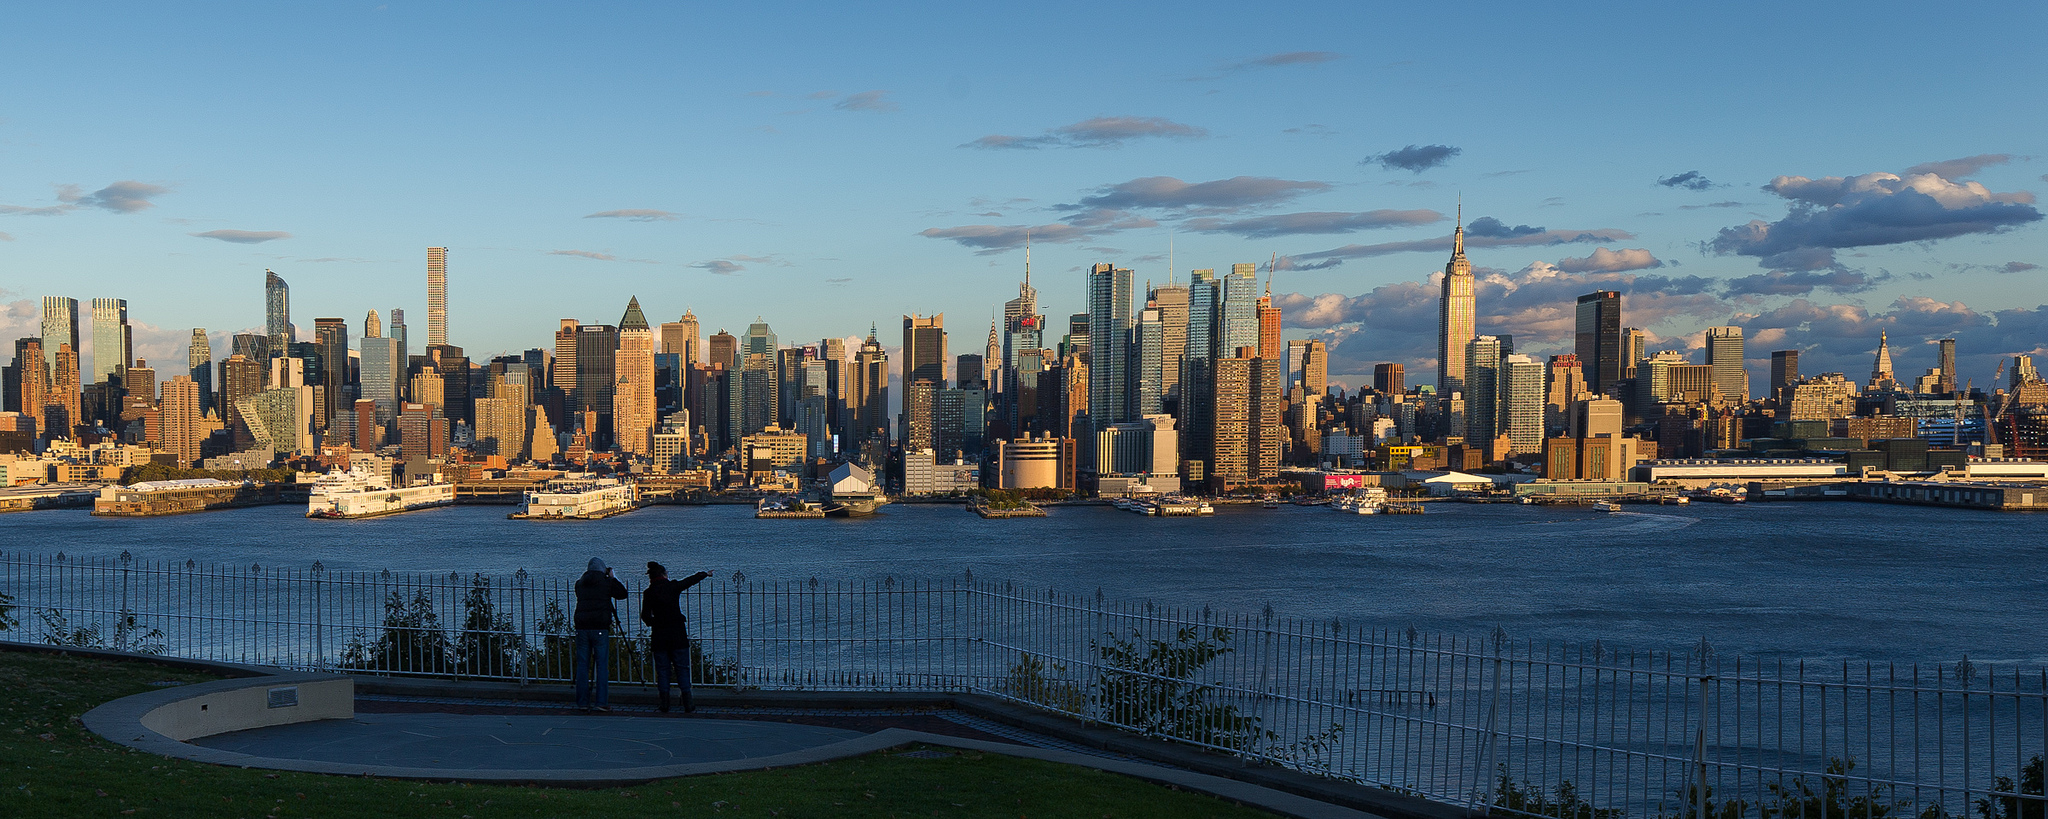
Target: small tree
x: 7, y: 621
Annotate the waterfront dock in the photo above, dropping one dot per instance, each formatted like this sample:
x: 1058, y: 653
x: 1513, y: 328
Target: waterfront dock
x: 48, y: 496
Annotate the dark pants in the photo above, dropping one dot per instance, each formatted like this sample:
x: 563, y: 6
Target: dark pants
x: 672, y: 663
x: 592, y: 646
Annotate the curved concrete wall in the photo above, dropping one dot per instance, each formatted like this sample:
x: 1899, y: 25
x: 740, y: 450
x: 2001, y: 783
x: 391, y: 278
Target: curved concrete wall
x: 251, y: 703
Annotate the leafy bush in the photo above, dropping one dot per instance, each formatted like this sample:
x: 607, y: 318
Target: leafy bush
x: 412, y: 640
x: 1834, y: 800
x: 1563, y: 802
x: 2006, y: 803
x: 1028, y: 681
x: 129, y: 634
x: 488, y: 646
x: 1149, y: 685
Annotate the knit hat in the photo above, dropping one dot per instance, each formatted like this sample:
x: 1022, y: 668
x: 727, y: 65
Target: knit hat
x: 654, y: 568
x: 597, y: 565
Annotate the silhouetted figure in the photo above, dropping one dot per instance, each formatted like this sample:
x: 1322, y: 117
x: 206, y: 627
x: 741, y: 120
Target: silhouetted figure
x: 661, y: 609
x: 595, y: 591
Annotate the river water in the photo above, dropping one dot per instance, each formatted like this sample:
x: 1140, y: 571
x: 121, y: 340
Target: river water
x: 1816, y: 581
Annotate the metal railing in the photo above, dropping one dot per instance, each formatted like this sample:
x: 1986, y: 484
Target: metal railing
x: 1568, y: 731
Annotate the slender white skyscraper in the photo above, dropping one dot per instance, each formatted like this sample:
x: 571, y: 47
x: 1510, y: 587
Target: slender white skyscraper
x: 437, y: 296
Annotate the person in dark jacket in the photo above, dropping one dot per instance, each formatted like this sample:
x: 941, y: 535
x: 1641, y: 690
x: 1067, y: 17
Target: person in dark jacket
x: 670, y: 643
x: 595, y: 591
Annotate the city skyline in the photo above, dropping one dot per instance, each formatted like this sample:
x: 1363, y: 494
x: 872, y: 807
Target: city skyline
x: 1229, y: 147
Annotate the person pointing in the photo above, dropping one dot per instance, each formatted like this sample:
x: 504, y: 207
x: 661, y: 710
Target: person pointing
x: 661, y: 609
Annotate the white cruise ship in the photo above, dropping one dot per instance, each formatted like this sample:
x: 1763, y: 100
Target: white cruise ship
x: 578, y: 497
x: 360, y: 494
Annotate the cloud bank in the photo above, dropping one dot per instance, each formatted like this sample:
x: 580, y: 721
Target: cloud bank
x: 244, y: 237
x: 1415, y: 158
x: 1100, y: 132
x: 1874, y: 209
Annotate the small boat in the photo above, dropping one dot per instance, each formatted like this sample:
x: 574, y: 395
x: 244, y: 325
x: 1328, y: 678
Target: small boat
x: 1607, y: 506
x: 1271, y: 501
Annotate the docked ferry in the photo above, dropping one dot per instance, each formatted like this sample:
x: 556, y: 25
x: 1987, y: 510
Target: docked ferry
x: 578, y: 497
x: 361, y: 494
x: 1370, y: 500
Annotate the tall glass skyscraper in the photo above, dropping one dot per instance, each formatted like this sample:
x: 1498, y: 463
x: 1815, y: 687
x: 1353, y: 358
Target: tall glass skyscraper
x: 1482, y: 388
x: 1147, y: 359
x: 1597, y: 340
x: 1724, y: 355
x: 1109, y: 329
x: 383, y: 370
x: 113, y: 346
x: 277, y: 313
x: 1239, y: 314
x: 199, y: 363
x: 60, y: 326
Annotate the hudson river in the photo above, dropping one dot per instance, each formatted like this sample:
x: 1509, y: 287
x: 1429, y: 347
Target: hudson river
x: 1816, y: 581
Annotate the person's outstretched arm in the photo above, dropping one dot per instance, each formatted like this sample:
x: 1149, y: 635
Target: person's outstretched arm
x: 693, y: 580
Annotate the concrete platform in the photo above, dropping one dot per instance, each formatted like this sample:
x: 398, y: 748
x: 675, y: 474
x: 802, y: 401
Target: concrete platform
x: 467, y: 742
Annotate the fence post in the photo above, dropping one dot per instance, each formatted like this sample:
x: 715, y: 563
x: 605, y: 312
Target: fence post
x: 1699, y: 744
x: 519, y: 591
x: 1486, y: 765
x: 319, y: 617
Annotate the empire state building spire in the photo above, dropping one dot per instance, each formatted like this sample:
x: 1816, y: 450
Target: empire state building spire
x: 1455, y: 315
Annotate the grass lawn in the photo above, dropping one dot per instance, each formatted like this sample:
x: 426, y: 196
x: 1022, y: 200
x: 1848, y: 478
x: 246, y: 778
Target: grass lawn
x: 51, y: 766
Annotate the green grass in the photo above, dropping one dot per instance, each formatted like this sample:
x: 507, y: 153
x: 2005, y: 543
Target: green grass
x: 51, y: 766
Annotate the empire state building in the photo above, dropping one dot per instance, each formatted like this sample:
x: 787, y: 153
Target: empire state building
x: 1454, y: 317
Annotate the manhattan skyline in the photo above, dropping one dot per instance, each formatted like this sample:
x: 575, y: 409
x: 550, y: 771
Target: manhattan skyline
x: 570, y: 164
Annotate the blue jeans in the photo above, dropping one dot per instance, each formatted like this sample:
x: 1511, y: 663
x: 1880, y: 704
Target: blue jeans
x: 591, y: 650
x: 675, y: 663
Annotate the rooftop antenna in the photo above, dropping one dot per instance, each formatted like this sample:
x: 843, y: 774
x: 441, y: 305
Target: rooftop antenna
x: 1027, y: 257
x: 1272, y: 267
x: 1169, y: 258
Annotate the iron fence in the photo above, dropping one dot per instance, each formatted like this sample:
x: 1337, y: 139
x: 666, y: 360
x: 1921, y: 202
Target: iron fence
x: 1490, y: 722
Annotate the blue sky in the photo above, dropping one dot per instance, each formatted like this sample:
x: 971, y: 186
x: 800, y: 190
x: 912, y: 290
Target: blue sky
x: 827, y: 166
